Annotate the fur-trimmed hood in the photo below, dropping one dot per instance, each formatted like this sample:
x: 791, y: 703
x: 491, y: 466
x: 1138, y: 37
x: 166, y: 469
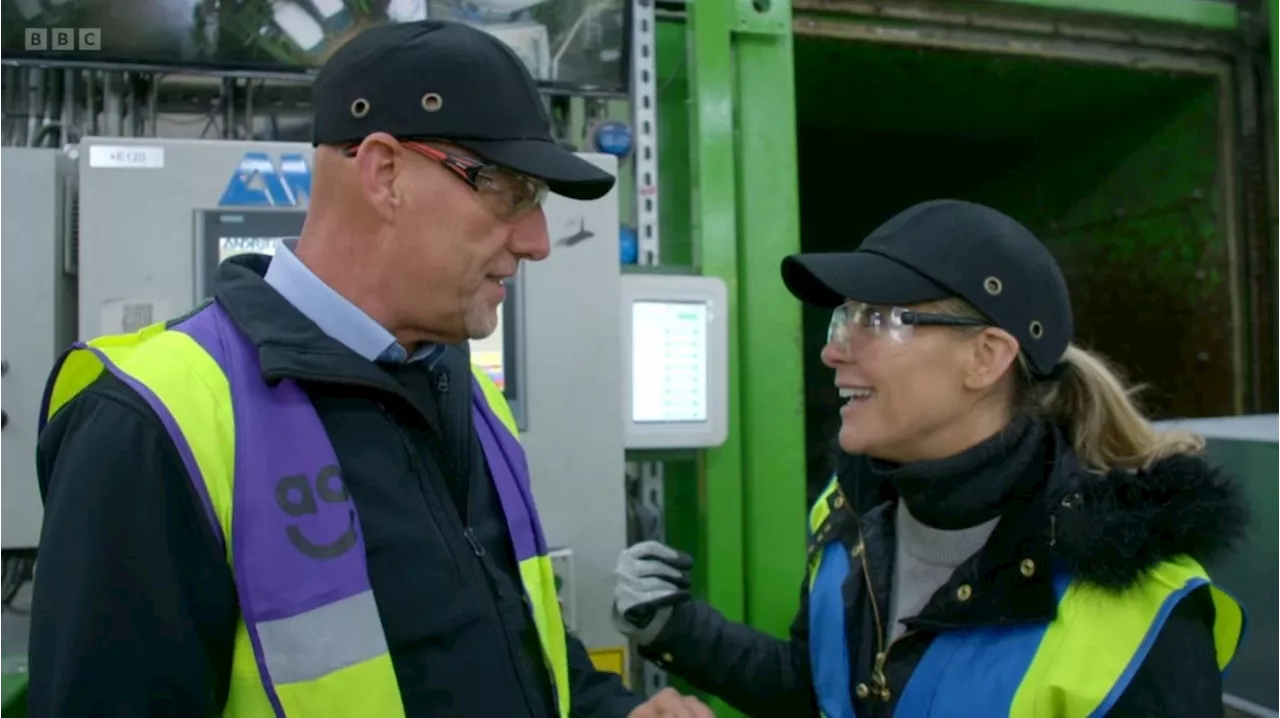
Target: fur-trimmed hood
x: 1111, y: 528
x: 1108, y: 529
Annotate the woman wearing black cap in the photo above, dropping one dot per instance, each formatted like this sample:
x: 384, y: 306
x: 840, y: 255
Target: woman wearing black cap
x: 1007, y: 534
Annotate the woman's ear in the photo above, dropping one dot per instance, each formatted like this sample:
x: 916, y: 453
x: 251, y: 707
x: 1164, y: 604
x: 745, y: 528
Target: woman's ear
x: 994, y: 351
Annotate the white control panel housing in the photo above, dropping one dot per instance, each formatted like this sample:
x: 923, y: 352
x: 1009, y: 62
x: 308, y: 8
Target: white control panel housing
x: 675, y: 358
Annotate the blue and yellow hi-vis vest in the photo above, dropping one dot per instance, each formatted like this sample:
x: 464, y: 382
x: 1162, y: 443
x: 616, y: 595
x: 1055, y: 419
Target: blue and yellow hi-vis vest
x: 310, y: 642
x: 1075, y: 666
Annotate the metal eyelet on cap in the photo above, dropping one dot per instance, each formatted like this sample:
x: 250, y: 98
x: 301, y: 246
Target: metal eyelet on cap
x: 993, y: 285
x: 1028, y: 567
x: 431, y: 102
x: 1036, y: 329
x: 359, y: 107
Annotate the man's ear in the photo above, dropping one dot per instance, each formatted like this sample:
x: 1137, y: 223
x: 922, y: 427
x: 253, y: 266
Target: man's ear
x: 993, y: 352
x: 378, y: 162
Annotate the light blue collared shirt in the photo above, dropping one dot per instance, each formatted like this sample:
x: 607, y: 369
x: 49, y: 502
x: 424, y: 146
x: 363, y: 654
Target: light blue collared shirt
x: 335, y: 314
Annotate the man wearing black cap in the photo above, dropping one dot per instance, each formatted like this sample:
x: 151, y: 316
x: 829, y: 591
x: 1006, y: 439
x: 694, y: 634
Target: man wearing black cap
x: 433, y: 155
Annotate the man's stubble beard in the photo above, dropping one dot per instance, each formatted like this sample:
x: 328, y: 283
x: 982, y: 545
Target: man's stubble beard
x: 481, y: 319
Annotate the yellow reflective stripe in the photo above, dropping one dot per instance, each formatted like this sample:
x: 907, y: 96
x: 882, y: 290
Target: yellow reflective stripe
x: 539, y: 580
x: 496, y: 400
x: 1098, y: 633
x: 821, y: 509
x: 361, y: 689
x: 246, y: 695
x: 1228, y: 626
x: 206, y: 418
x: 536, y: 573
x: 817, y: 514
x: 170, y: 364
x: 80, y: 368
x: 367, y: 688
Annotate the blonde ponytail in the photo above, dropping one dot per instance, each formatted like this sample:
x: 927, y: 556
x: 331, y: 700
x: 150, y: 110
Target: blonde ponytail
x: 1096, y: 407
x: 1105, y: 425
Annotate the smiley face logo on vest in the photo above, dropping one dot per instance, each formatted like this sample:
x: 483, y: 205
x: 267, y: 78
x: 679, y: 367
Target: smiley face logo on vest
x: 299, y: 498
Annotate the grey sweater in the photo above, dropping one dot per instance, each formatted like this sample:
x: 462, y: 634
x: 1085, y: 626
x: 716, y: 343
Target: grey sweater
x: 924, y: 560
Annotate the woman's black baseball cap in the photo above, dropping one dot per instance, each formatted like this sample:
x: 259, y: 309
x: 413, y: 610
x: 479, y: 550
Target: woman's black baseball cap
x: 949, y: 248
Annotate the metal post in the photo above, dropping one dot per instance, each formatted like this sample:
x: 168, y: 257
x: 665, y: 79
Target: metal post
x: 771, y: 370
x: 715, y: 250
x: 644, y: 103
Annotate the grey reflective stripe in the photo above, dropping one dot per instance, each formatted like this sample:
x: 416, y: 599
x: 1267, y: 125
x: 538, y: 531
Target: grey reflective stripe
x: 314, y: 644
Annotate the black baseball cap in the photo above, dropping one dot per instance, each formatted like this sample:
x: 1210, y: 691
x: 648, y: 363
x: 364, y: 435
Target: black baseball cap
x: 442, y: 80
x: 949, y: 248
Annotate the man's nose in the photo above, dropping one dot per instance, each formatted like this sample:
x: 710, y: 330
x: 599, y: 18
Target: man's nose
x: 530, y: 240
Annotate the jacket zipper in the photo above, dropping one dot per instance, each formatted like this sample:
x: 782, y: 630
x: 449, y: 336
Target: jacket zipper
x: 419, y: 470
x: 464, y: 519
x: 879, y: 687
x: 442, y: 386
x: 879, y: 682
x: 469, y: 534
x: 476, y: 546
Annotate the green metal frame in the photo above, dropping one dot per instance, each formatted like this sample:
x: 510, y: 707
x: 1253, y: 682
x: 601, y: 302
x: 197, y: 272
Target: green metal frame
x: 771, y: 375
x: 745, y: 218
x: 1205, y: 13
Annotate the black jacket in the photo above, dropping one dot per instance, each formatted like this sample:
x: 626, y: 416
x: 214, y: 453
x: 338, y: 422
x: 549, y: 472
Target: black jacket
x: 134, y: 606
x: 1107, y: 529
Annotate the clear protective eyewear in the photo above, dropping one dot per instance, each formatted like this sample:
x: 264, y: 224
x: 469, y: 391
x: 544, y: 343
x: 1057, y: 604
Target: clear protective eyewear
x: 512, y: 195
x: 893, y: 324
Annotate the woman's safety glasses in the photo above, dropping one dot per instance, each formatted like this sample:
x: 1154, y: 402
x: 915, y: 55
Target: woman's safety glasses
x: 892, y: 324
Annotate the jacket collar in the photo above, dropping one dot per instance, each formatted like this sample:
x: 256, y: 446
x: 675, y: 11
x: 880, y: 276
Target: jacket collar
x: 1108, y: 529
x: 290, y: 346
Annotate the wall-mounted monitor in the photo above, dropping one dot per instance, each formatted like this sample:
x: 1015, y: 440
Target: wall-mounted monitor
x: 574, y: 45
x: 222, y: 234
x: 675, y: 361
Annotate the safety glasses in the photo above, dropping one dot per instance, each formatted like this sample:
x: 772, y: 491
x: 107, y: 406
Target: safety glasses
x: 880, y: 323
x: 512, y: 195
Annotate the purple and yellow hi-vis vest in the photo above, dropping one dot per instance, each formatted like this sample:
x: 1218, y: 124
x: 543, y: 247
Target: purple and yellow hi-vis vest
x: 310, y: 642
